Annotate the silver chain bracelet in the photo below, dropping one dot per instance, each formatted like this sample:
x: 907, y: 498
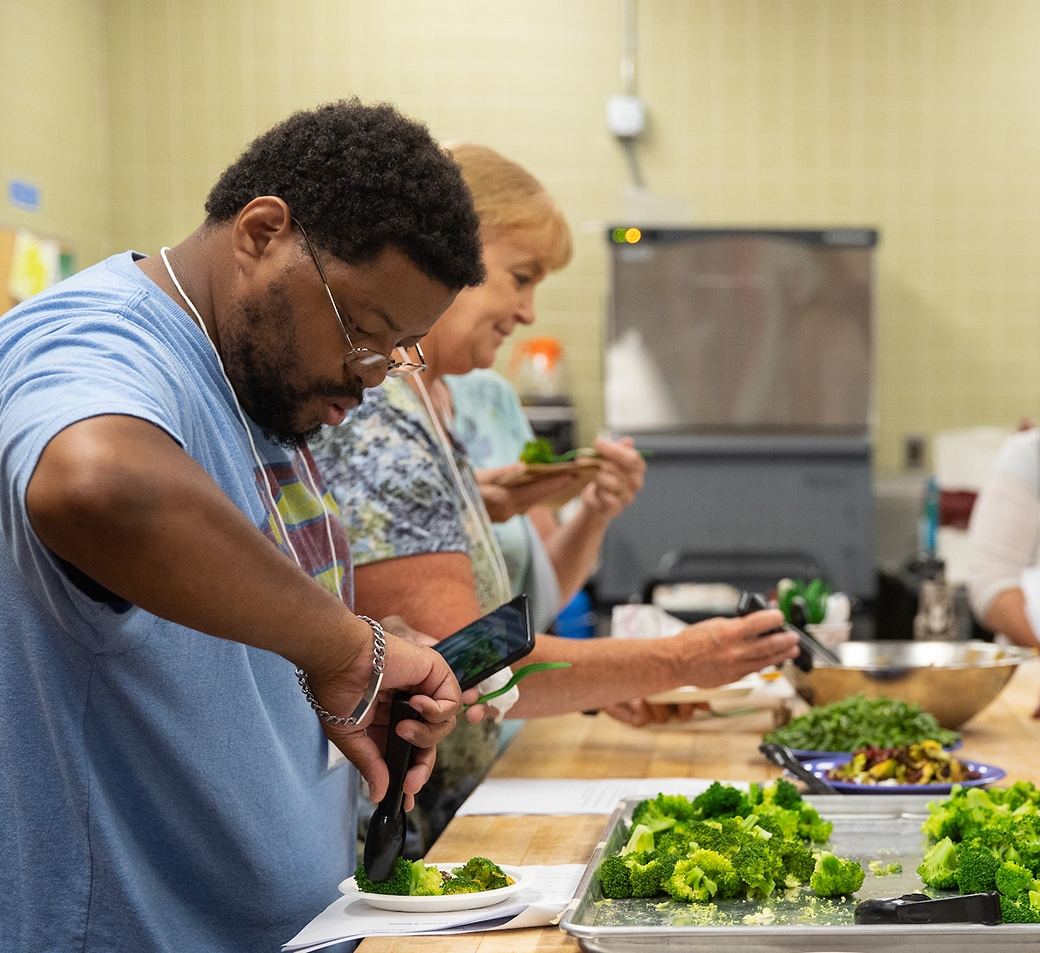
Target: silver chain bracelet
x: 369, y: 698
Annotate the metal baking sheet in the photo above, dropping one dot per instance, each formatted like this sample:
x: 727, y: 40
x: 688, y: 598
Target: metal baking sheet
x: 866, y: 827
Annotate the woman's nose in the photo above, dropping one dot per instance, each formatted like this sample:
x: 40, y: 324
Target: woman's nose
x: 525, y: 309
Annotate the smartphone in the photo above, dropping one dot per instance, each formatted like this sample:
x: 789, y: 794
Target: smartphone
x: 491, y: 643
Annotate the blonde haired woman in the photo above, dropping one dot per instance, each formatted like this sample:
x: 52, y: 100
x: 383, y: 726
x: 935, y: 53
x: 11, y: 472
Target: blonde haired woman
x: 419, y: 524
x: 549, y: 562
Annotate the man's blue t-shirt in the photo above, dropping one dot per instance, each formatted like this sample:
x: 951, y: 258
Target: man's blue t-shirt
x: 160, y: 789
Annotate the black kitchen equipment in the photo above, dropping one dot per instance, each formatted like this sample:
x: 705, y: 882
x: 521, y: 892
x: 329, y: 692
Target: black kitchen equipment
x: 785, y: 758
x: 919, y: 908
x: 384, y: 842
x: 810, y: 646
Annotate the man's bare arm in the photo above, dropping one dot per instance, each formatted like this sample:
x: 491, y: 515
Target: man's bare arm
x: 119, y: 499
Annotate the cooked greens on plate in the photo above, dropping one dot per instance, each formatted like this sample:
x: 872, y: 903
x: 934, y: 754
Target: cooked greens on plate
x: 859, y: 722
x: 540, y: 451
x: 416, y: 879
x: 924, y: 763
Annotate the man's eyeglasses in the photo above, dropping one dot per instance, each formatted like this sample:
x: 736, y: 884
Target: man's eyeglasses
x: 364, y: 357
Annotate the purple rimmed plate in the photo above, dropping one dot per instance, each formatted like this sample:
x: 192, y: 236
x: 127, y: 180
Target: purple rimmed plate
x: 803, y: 755
x: 989, y: 774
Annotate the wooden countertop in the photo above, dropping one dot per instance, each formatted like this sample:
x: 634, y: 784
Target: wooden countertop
x: 582, y: 746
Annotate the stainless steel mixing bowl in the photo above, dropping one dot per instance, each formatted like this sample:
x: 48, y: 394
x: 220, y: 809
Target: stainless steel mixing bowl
x: 952, y: 680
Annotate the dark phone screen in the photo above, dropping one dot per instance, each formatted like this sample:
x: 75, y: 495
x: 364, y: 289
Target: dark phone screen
x: 484, y: 647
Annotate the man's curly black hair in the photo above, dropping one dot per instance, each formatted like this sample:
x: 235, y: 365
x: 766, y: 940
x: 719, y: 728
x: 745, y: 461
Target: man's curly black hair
x: 361, y: 178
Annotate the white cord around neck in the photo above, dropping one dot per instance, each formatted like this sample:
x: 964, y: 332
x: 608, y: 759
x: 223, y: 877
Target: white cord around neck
x: 479, y: 517
x: 252, y: 444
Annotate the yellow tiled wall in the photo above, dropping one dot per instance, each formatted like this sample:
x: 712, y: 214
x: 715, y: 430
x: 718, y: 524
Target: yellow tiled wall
x: 919, y: 117
x: 54, y: 121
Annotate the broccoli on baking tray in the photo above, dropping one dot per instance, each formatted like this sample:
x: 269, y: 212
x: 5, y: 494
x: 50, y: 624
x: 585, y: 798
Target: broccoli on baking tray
x: 986, y: 840
x: 725, y: 844
x: 833, y: 877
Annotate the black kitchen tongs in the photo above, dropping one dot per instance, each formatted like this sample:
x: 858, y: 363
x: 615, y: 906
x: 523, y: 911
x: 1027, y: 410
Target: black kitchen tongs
x: 384, y: 842
x: 784, y: 757
x: 810, y: 646
x: 920, y: 908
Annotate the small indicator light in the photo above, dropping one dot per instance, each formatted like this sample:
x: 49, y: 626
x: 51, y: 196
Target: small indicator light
x: 632, y: 235
x: 619, y: 234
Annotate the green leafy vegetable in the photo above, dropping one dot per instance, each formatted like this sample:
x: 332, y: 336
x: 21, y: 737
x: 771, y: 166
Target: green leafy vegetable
x: 541, y: 451
x: 986, y: 840
x: 724, y: 844
x: 538, y: 451
x: 416, y: 879
x: 399, y: 882
x: 489, y: 875
x: 834, y: 877
x: 859, y: 722
x: 938, y: 867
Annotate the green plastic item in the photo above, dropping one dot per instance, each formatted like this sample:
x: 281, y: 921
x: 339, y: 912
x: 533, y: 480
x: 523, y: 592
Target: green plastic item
x: 811, y: 595
x: 517, y: 675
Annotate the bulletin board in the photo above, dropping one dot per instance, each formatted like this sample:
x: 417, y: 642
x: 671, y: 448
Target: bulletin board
x: 6, y: 248
x: 7, y: 245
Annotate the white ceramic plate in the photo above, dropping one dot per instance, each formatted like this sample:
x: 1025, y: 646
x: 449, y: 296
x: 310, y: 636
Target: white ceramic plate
x: 688, y: 693
x: 522, y: 876
x: 770, y: 686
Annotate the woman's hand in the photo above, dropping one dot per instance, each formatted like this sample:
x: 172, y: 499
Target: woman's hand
x: 641, y: 712
x: 719, y: 651
x: 505, y: 502
x: 619, y: 479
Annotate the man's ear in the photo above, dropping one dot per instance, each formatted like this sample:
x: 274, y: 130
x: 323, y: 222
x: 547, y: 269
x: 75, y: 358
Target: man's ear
x: 261, y: 232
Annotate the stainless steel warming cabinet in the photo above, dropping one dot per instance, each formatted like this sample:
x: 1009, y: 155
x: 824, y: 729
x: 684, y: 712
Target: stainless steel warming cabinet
x: 741, y: 359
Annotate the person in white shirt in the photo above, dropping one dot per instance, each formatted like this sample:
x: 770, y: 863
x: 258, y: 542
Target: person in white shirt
x: 1004, y: 532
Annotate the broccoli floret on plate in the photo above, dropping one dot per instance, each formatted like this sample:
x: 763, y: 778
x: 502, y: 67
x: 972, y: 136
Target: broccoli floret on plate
x: 648, y: 873
x: 689, y: 882
x: 964, y: 813
x: 665, y: 805
x: 799, y: 862
x: 652, y: 814
x: 426, y: 881
x: 640, y: 840
x: 461, y: 885
x: 398, y: 883
x: 489, y: 875
x: 719, y: 868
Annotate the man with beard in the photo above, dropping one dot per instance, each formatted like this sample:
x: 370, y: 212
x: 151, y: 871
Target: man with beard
x: 173, y: 572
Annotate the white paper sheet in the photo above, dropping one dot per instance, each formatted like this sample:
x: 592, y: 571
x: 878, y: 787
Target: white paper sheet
x: 572, y: 796
x: 351, y: 919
